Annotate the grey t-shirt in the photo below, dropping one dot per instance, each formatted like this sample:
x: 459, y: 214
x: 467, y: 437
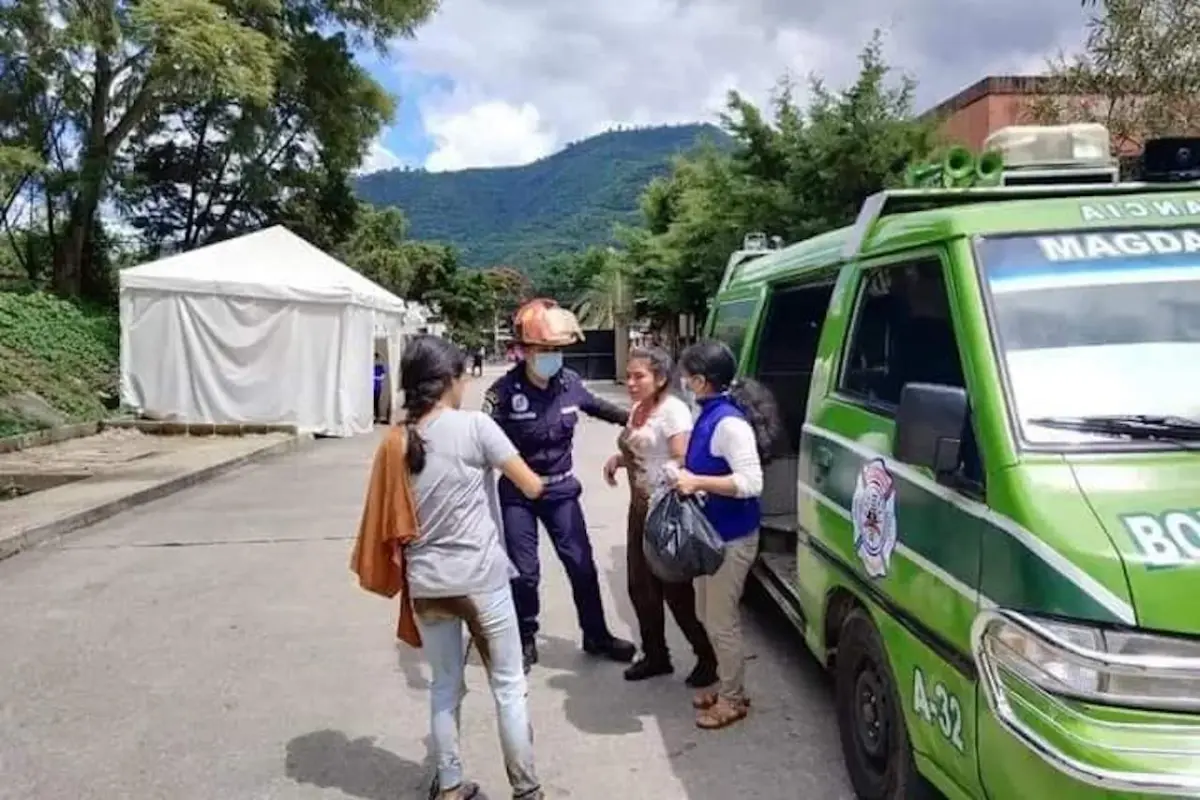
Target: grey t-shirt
x: 459, y: 550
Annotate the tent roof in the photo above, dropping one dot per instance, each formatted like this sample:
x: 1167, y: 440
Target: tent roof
x: 271, y: 264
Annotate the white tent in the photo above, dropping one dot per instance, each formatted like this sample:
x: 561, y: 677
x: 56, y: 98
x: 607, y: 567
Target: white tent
x: 264, y: 328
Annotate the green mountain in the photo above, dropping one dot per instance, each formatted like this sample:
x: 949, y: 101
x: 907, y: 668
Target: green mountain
x: 517, y: 215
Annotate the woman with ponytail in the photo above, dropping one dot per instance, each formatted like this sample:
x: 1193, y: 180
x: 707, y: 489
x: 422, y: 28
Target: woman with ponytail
x: 656, y: 436
x: 457, y: 569
x: 735, y: 433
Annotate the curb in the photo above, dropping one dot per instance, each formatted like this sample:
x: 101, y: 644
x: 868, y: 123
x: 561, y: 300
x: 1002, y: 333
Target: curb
x: 59, y: 433
x: 40, y: 534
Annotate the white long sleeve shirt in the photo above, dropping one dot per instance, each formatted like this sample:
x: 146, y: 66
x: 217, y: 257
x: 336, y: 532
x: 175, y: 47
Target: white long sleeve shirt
x: 733, y: 440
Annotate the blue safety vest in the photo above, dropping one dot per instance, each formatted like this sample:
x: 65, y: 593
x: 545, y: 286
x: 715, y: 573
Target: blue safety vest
x: 732, y: 517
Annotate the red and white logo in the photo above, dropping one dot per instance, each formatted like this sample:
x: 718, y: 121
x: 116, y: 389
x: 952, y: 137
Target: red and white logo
x: 874, y: 513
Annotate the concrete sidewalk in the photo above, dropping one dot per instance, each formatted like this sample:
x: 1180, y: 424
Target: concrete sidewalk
x: 113, y: 472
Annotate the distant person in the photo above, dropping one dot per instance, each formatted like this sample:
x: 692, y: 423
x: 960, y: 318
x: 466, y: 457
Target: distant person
x: 538, y: 404
x: 656, y: 436
x: 477, y: 362
x: 380, y: 376
x: 735, y: 432
x: 430, y: 506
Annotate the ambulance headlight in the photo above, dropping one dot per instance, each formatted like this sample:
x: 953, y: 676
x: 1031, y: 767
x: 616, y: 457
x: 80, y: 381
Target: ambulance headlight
x: 1172, y: 668
x: 1122, y: 668
x: 1017, y: 649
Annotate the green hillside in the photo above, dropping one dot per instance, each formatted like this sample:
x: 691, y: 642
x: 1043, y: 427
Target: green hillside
x: 516, y: 215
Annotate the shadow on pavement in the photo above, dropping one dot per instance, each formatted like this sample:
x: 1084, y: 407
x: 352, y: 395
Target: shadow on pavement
x: 714, y: 765
x: 411, y: 663
x: 331, y: 760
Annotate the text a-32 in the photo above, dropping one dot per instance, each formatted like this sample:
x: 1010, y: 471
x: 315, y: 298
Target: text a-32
x: 936, y: 705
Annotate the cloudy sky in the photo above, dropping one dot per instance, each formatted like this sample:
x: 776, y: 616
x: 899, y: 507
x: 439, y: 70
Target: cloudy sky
x: 497, y: 82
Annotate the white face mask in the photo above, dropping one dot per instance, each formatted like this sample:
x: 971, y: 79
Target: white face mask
x: 689, y: 397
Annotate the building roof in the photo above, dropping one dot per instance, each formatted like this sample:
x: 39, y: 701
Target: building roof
x: 270, y: 264
x: 991, y: 85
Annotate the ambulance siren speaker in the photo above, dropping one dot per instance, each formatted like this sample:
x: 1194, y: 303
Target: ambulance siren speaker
x: 989, y: 169
x: 958, y: 167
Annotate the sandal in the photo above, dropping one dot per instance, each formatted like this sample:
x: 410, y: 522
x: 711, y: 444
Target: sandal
x: 704, y: 700
x: 722, y: 714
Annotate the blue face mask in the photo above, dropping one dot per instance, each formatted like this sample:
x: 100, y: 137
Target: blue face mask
x: 547, y: 365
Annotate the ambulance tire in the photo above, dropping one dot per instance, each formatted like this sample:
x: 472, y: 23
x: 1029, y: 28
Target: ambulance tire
x: 870, y: 716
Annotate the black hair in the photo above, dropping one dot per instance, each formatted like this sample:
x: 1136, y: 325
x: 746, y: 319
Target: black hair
x: 661, y: 364
x: 716, y: 363
x: 428, y: 369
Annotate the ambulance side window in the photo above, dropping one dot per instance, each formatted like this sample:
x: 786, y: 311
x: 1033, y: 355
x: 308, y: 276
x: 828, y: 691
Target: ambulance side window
x: 903, y: 333
x: 733, y: 321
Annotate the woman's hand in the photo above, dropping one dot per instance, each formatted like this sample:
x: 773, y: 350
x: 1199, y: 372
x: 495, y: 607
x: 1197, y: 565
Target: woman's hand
x: 611, y: 466
x: 686, y: 483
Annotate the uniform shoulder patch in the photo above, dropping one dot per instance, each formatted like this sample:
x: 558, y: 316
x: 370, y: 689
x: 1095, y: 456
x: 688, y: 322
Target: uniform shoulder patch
x: 491, y: 399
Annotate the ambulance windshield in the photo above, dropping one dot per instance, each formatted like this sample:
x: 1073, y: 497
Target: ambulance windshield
x: 1094, y: 325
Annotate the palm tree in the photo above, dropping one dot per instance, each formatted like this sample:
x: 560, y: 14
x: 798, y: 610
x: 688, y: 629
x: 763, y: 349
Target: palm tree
x: 608, y: 302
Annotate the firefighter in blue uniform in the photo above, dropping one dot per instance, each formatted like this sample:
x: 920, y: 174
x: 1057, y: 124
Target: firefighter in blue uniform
x: 538, y: 404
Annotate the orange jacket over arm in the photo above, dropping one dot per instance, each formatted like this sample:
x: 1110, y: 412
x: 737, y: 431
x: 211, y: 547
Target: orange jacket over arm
x: 389, y: 523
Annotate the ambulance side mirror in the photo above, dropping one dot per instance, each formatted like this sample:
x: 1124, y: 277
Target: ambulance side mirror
x: 930, y: 425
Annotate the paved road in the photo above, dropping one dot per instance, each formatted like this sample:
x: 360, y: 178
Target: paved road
x: 212, y: 646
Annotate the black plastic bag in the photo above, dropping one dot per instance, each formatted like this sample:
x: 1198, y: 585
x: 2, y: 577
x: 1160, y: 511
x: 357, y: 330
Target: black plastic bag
x: 680, y: 544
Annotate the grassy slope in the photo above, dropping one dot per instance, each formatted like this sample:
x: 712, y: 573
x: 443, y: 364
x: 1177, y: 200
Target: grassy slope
x: 65, y: 354
x: 516, y: 215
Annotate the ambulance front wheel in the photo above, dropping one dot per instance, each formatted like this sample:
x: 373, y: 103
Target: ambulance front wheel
x: 870, y: 716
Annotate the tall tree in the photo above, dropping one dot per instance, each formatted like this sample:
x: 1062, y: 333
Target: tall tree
x: 225, y: 166
x: 196, y: 97
x: 1138, y: 73
x: 112, y: 64
x: 800, y: 172
x: 377, y: 249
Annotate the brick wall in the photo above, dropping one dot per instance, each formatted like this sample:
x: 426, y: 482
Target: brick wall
x: 992, y: 103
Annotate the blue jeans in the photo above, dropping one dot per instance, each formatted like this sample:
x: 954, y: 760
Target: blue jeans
x: 490, y: 620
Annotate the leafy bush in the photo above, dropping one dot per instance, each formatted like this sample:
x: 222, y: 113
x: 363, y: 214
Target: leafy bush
x: 64, y: 352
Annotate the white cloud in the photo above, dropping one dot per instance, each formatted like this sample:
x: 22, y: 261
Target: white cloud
x: 379, y: 158
x: 530, y: 75
x: 487, y: 134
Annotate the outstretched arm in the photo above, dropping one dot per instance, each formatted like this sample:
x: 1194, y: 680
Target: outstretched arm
x: 602, y: 409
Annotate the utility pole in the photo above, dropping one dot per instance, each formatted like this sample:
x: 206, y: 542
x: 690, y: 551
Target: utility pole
x: 621, y: 313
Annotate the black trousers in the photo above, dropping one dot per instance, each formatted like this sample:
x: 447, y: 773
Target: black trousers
x: 648, y: 594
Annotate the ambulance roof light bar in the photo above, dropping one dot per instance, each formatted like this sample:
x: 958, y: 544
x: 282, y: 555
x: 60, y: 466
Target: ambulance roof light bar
x: 1054, y: 154
x: 753, y: 242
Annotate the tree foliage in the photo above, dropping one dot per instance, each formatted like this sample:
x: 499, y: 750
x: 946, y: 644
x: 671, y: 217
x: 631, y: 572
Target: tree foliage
x: 802, y: 171
x: 198, y: 119
x: 1138, y: 73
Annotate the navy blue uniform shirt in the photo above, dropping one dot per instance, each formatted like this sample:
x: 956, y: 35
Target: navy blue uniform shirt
x: 541, y: 422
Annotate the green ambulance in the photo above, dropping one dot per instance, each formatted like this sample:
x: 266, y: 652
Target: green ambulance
x: 987, y: 521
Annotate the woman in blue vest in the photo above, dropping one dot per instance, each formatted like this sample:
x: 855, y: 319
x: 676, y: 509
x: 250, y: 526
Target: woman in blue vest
x: 734, y: 434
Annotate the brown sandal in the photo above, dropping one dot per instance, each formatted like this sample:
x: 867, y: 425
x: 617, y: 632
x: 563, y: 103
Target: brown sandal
x: 722, y: 714
x: 704, y: 700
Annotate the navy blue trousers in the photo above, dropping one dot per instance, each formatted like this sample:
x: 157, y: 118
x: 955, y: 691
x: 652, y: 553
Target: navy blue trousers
x: 559, y: 511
